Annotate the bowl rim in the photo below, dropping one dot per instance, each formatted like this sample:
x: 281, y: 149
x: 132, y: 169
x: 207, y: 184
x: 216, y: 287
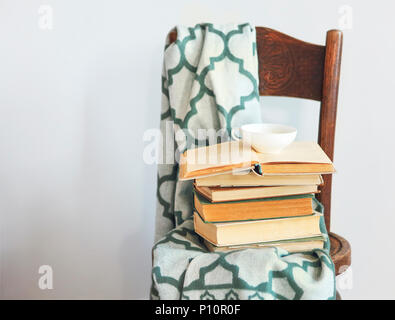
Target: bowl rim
x: 289, y: 129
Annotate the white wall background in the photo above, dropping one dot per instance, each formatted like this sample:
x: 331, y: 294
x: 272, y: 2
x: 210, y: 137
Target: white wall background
x: 75, y: 101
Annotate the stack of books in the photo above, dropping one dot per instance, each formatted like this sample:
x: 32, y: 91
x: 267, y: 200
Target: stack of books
x: 257, y: 200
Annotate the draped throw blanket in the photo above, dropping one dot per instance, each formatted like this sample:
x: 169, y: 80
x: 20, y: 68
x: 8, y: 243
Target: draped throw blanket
x: 210, y: 81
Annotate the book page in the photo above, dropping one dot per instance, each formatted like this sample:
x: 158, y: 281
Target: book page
x: 297, y: 152
x: 226, y: 154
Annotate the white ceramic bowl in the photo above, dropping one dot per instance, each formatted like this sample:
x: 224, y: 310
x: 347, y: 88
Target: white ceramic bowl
x: 267, y: 137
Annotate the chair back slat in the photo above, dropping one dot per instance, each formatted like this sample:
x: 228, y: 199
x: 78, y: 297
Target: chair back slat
x: 289, y: 67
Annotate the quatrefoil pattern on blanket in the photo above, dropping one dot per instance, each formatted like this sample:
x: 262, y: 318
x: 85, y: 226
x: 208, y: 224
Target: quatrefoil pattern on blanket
x: 183, y: 269
x: 207, y: 85
x: 209, y: 81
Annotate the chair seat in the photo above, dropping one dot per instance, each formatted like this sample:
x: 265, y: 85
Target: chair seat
x: 340, y: 253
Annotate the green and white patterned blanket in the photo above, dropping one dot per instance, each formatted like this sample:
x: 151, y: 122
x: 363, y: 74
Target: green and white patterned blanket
x: 210, y: 81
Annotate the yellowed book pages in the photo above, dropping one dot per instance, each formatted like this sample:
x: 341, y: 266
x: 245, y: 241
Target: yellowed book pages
x: 291, y: 246
x: 249, y: 179
x: 214, y: 159
x: 296, y: 152
x: 253, y: 209
x: 218, y: 194
x: 247, y: 232
x: 298, y: 157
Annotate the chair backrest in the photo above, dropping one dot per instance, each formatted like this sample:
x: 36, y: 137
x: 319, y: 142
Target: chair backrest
x: 294, y: 68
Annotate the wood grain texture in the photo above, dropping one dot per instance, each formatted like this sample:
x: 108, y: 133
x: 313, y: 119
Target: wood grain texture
x: 289, y: 67
x: 173, y: 35
x: 330, y: 90
x: 340, y: 253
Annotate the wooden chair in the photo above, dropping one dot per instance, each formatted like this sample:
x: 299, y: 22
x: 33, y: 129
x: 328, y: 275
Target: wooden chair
x: 293, y: 68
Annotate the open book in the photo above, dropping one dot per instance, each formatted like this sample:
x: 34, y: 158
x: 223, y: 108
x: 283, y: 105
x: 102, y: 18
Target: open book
x: 300, y: 157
